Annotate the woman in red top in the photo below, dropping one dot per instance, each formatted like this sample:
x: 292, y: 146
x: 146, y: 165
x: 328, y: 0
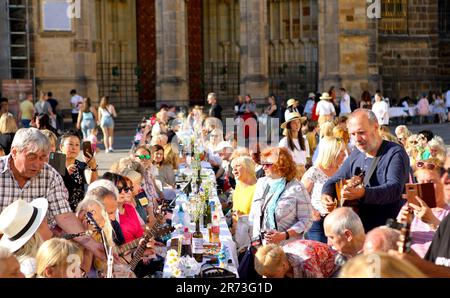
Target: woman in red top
x: 128, y: 217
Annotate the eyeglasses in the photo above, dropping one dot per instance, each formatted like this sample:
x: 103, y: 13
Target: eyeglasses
x: 266, y: 164
x: 428, y: 166
x: 145, y: 157
x: 126, y: 189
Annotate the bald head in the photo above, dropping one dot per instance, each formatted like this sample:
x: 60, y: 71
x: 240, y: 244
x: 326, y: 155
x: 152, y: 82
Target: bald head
x: 381, y: 239
x: 364, y: 115
x: 345, y: 231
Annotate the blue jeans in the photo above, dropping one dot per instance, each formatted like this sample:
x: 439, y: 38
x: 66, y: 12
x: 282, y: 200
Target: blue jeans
x: 316, y: 232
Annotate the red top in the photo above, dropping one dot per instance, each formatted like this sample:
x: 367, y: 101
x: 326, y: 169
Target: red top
x: 130, y: 224
x: 314, y: 117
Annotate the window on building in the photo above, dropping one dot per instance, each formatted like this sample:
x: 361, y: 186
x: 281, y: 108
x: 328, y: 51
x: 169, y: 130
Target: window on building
x: 57, y: 14
x: 394, y: 17
x: 444, y: 17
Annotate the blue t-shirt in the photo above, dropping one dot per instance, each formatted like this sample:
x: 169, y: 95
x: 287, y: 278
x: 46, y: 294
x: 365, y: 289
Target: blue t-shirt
x: 383, y: 198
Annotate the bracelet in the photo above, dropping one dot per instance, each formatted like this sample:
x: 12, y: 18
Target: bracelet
x: 287, y: 235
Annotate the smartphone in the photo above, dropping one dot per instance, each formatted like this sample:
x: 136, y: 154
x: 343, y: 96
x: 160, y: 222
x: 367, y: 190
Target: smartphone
x: 87, y: 149
x: 425, y: 191
x: 58, y: 162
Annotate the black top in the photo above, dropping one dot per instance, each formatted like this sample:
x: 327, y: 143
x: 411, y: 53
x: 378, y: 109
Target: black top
x: 118, y: 237
x: 75, y: 184
x: 439, y: 250
x: 216, y: 111
x: 6, y: 141
x: 53, y: 103
x: 274, y: 114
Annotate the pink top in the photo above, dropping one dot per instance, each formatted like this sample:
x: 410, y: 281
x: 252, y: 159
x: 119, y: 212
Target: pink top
x: 423, y: 107
x: 422, y: 235
x: 129, y: 222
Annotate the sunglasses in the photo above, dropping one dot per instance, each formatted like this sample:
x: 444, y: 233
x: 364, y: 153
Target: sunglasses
x: 126, y: 189
x: 444, y: 171
x: 144, y: 156
x: 428, y: 166
x: 267, y: 164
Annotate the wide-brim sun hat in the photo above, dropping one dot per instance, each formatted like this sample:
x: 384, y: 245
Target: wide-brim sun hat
x: 291, y: 117
x: 326, y: 96
x: 20, y: 221
x: 291, y: 102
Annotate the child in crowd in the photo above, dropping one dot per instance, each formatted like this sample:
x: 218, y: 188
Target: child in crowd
x: 94, y: 141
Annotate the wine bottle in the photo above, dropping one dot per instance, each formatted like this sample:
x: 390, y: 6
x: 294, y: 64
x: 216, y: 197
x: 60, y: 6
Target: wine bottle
x: 207, y: 215
x: 197, y: 243
x: 186, y: 243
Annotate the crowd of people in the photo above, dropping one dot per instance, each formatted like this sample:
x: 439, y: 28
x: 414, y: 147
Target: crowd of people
x: 323, y: 201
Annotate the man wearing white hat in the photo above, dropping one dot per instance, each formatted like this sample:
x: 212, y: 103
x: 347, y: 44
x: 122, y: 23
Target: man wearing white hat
x: 25, y: 174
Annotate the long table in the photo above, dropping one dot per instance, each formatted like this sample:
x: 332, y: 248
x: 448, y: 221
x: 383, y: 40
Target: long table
x: 225, y: 236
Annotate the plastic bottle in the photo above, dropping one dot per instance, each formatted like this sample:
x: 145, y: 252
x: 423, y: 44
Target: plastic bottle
x: 215, y: 230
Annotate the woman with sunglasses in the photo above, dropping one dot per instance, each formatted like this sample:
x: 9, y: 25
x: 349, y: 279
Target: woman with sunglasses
x: 143, y: 155
x: 128, y: 217
x: 281, y: 207
x: 426, y: 220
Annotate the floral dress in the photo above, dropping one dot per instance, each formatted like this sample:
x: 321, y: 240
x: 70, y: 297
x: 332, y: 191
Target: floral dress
x: 75, y: 184
x: 310, y: 259
x: 319, y: 178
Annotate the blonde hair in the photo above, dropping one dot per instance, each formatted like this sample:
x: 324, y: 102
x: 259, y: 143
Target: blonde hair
x: 7, y: 124
x: 402, y: 132
x: 89, y: 200
x: 326, y: 129
x: 365, y: 266
x: 269, y: 258
x: 385, y: 134
x: 329, y: 150
x: 128, y: 164
x: 30, y: 248
x: 51, y: 136
x: 55, y: 253
x: 438, y: 143
x: 241, y: 151
x: 247, y: 163
x: 132, y: 175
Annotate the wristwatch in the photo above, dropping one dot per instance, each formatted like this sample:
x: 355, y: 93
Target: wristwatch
x: 287, y: 235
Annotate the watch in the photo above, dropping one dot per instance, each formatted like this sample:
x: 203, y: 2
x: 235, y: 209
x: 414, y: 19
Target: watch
x: 287, y: 235
x: 94, y: 170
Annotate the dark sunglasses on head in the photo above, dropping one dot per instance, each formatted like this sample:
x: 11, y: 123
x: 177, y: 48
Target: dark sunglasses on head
x: 428, y: 166
x: 126, y: 189
x: 148, y: 156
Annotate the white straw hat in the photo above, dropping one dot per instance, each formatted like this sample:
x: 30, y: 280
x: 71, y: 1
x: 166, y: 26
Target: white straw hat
x: 20, y: 221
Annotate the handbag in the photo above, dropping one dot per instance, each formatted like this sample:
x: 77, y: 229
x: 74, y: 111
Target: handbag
x: 211, y: 271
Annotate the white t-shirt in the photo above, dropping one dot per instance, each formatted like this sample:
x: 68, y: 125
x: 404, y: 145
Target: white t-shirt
x: 76, y: 102
x: 325, y: 108
x: 299, y: 156
x: 345, y: 104
x: 381, y: 110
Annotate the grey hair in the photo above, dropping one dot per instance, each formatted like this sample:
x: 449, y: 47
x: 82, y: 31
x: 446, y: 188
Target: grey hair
x: 345, y: 218
x: 4, y: 253
x: 127, y: 164
x: 368, y: 113
x: 30, y: 139
x: 212, y: 94
x: 102, y: 188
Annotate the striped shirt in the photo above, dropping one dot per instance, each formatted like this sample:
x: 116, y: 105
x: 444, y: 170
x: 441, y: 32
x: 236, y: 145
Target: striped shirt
x: 47, y: 184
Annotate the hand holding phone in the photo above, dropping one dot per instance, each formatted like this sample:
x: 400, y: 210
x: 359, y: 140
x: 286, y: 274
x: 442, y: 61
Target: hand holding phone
x: 87, y: 149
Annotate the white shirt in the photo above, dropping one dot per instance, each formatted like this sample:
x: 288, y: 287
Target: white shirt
x: 325, y: 108
x: 447, y: 99
x: 381, y: 110
x: 345, y: 104
x: 76, y: 102
x: 299, y: 156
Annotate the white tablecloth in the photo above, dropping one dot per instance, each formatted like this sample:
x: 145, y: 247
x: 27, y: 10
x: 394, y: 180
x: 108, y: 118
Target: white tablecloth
x: 225, y: 234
